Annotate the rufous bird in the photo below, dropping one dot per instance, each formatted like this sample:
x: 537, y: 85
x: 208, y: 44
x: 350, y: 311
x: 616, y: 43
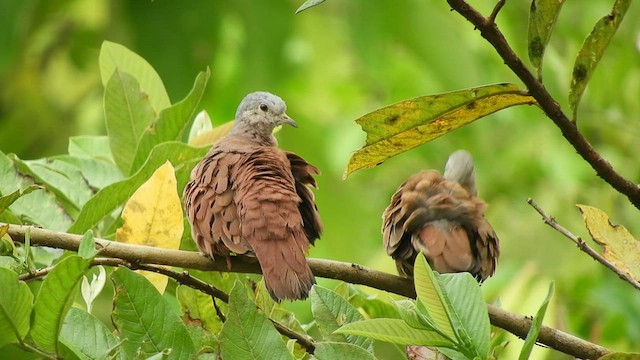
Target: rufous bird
x: 442, y: 217
x: 248, y: 197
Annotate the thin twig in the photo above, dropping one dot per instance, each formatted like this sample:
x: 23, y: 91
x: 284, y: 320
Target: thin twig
x: 552, y: 109
x: 496, y: 10
x: 582, y: 245
x: 352, y: 273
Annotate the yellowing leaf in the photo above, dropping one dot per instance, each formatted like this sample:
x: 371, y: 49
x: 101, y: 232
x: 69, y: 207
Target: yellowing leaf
x: 153, y: 216
x: 619, y: 246
x: 405, y: 125
x: 211, y: 136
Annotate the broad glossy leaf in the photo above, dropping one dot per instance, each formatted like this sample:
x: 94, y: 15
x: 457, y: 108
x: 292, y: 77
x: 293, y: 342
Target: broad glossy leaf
x: 53, y: 301
x: 16, y: 302
x: 342, y: 351
x: 210, y: 137
x: 115, y: 56
x: 128, y: 112
x: 542, y: 20
x: 592, y: 50
x: 247, y: 333
x: 430, y: 294
x: 87, y: 336
x: 532, y: 336
x: 173, y: 123
x: 407, y: 124
x: 394, y: 331
x: 5, y: 201
x: 109, y: 199
x: 153, y: 217
x: 468, y: 312
x: 309, y: 3
x: 97, y: 173
x: 90, y: 147
x: 330, y: 312
x: 146, y: 321
x: 619, y: 246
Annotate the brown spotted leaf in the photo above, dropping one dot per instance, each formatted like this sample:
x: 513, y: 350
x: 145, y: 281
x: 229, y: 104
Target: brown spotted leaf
x: 592, y: 50
x: 407, y: 124
x: 618, y: 245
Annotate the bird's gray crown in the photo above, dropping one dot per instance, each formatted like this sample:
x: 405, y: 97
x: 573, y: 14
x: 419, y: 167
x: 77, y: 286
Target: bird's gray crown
x: 459, y: 168
x: 254, y: 100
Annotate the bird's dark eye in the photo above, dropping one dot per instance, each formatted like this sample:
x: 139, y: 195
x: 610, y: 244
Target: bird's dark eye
x: 264, y: 107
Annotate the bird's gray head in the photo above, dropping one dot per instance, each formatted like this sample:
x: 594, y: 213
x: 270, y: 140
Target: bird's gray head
x: 259, y: 113
x: 459, y: 168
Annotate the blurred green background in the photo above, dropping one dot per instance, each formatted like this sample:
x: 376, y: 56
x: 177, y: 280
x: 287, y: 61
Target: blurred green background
x: 339, y: 61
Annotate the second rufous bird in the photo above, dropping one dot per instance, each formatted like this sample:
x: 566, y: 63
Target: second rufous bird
x: 248, y: 197
x: 442, y: 217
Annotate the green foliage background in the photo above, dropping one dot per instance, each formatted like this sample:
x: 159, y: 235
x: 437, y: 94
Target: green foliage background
x: 337, y: 62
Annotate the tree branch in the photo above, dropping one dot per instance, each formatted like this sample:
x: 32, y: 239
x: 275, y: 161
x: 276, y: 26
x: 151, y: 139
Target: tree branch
x: 582, y: 245
x: 352, y: 273
x: 489, y: 30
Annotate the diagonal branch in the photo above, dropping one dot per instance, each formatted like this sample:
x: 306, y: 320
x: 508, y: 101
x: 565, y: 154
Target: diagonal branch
x: 489, y: 30
x: 352, y: 273
x: 582, y: 245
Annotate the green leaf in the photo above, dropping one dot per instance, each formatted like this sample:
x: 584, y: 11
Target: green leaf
x: 146, y: 321
x: 87, y: 336
x: 330, y: 312
x: 402, y: 126
x: 91, y: 147
x: 592, y: 50
x: 198, y: 307
x: 247, y: 333
x: 409, y: 312
x: 97, y: 173
x: 53, y: 301
x: 394, y: 331
x: 173, y: 123
x: 128, y: 112
x: 115, y: 56
x: 87, y: 248
x: 309, y: 3
x: 469, y: 313
x: 542, y: 19
x: 374, y: 305
x: 532, y: 336
x: 5, y: 201
x: 430, y: 294
x: 342, y: 351
x: 107, y: 200
x: 16, y: 302
x: 38, y: 207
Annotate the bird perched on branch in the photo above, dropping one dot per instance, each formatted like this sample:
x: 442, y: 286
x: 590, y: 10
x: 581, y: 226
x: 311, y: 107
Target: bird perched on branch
x: 442, y: 217
x: 249, y: 197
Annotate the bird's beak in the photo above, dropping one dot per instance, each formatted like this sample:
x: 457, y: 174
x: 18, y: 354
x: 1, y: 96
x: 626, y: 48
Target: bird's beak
x: 285, y: 119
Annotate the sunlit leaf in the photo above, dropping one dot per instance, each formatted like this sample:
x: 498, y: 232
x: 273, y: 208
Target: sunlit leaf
x: 619, y: 246
x: 88, y: 336
x: 91, y: 147
x: 309, y: 3
x: 532, y: 336
x: 97, y: 173
x: 247, y: 333
x: 115, y: 56
x: 342, y: 351
x: 53, y: 301
x: 592, y: 50
x: 330, y: 312
x: 542, y: 19
x: 5, y: 201
x: 173, y: 123
x: 201, y: 124
x: 146, y: 321
x: 394, y: 331
x: 107, y: 200
x: 128, y: 112
x: 153, y: 217
x: 403, y: 126
x: 211, y: 136
x: 198, y: 308
x: 430, y: 294
x: 16, y: 302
